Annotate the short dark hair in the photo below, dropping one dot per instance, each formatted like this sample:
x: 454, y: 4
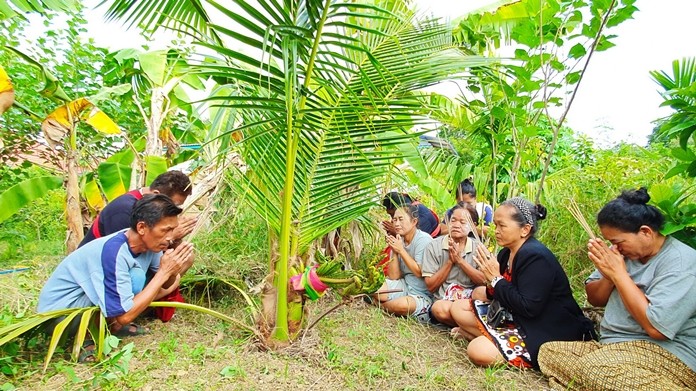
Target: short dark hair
x: 629, y: 211
x: 526, y: 213
x: 469, y: 208
x: 152, y: 208
x: 395, y: 199
x: 172, y: 183
x: 466, y: 187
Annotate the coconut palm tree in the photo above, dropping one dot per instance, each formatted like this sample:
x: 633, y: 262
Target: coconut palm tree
x: 324, y: 93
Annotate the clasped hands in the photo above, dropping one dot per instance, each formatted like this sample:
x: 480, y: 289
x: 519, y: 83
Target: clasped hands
x: 487, y: 263
x: 606, y: 259
x: 173, y: 261
x: 185, y: 227
x: 396, y: 243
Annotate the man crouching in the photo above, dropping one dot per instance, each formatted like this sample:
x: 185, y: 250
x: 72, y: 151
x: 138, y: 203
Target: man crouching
x: 110, y: 271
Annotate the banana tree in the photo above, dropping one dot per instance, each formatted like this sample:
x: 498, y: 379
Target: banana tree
x: 326, y: 103
x: 60, y: 129
x: 158, y: 79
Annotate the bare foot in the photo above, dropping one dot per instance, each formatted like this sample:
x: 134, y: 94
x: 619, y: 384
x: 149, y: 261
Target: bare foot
x: 456, y: 333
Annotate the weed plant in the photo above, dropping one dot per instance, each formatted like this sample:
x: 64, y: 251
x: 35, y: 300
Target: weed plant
x: 234, y: 243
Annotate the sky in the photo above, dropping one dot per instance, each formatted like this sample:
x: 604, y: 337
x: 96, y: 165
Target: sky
x: 617, y: 100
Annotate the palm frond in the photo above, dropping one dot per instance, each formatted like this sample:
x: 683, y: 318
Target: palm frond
x: 62, y: 320
x: 182, y: 15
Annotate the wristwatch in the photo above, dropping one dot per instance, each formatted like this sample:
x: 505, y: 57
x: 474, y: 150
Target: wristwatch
x: 494, y: 281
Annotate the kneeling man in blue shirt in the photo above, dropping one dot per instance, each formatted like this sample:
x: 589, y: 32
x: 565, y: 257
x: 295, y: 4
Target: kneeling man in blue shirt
x: 110, y: 271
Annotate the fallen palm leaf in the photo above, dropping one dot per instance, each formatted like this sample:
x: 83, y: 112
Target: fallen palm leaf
x: 97, y: 328
x: 36, y: 321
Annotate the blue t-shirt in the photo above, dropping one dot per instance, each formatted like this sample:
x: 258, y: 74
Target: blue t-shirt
x: 81, y: 281
x: 427, y: 220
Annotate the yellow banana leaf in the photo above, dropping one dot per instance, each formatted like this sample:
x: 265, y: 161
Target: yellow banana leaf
x: 59, y: 123
x: 6, y: 91
x: 92, y: 194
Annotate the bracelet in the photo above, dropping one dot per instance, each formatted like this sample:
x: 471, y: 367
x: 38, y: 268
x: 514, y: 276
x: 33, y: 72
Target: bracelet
x: 494, y: 281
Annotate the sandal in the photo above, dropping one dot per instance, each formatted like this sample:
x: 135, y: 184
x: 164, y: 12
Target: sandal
x: 88, y: 353
x: 130, y: 330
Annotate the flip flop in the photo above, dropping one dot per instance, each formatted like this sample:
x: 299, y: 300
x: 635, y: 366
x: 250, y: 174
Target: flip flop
x: 126, y: 331
x: 88, y: 353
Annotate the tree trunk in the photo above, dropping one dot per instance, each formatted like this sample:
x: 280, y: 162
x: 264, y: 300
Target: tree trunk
x: 72, y: 208
x: 153, y: 145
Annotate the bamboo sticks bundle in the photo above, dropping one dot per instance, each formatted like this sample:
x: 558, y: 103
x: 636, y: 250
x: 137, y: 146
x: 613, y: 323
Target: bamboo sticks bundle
x: 574, y: 210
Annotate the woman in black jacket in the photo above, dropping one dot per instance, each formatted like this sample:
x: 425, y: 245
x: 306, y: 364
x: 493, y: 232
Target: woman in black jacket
x: 527, y: 280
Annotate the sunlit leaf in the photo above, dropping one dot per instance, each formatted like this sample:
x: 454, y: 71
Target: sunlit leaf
x: 92, y: 193
x: 23, y: 193
x: 154, y: 166
x: 59, y: 123
x: 114, y: 179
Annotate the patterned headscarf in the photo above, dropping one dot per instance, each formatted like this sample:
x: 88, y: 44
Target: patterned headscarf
x: 524, y: 207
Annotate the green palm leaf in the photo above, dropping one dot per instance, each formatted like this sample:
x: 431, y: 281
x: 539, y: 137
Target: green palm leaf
x: 329, y: 100
x: 36, y: 321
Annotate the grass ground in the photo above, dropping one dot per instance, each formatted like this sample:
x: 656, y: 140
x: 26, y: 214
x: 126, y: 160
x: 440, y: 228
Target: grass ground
x: 356, y: 347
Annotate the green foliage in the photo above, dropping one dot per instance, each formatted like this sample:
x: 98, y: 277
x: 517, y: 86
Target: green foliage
x: 23, y: 193
x: 680, y: 95
x: 509, y: 119
x: 16, y: 8
x: 36, y: 229
x: 678, y: 204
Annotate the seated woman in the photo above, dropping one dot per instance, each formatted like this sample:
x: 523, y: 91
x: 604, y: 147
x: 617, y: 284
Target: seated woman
x: 448, y: 266
x: 404, y: 269
x: 528, y: 281
x: 466, y: 193
x: 647, y: 282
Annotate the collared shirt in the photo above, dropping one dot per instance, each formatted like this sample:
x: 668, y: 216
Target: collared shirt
x: 437, y: 254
